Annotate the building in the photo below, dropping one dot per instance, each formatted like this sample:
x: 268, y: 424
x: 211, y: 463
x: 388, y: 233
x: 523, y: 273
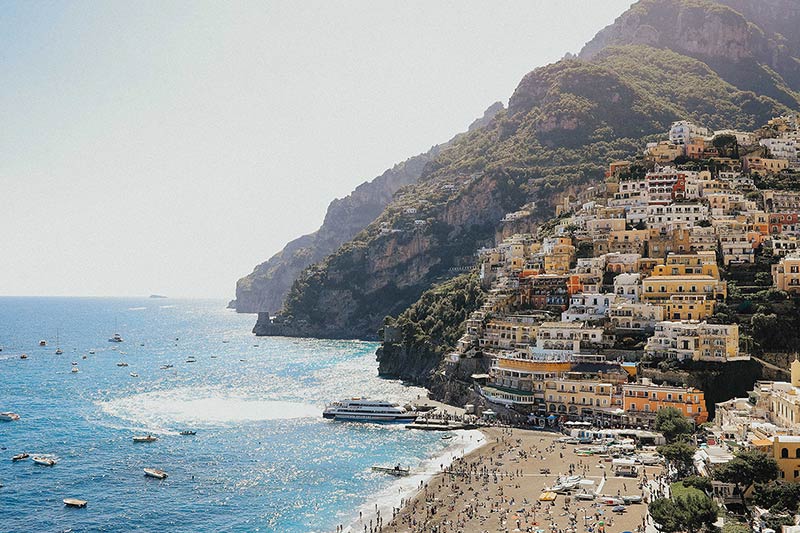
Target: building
x: 513, y: 332
x: 635, y: 317
x: 697, y: 341
x: 682, y: 131
x: 641, y: 401
x: 786, y: 451
x: 588, y: 307
x: 781, y: 148
x: 786, y: 274
x: 763, y: 165
x: 676, y: 215
x: 688, y: 307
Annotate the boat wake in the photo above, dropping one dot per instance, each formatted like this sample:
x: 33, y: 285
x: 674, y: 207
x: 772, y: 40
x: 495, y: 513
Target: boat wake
x: 202, y: 407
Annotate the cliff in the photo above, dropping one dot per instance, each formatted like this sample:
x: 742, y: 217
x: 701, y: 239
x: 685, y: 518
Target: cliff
x: 265, y: 289
x: 747, y: 50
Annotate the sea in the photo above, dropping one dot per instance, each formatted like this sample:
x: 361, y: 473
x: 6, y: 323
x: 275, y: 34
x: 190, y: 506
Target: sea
x: 262, y: 459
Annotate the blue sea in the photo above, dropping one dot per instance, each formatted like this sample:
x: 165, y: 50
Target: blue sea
x: 263, y: 458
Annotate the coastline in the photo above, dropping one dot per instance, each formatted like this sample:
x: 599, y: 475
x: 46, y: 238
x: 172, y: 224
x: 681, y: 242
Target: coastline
x: 407, y: 489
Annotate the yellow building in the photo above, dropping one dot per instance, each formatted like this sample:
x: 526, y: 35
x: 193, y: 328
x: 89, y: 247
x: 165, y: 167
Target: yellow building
x: 560, y: 260
x: 786, y: 451
x: 690, y: 274
x: 786, y: 274
x: 688, y: 307
x: 509, y: 333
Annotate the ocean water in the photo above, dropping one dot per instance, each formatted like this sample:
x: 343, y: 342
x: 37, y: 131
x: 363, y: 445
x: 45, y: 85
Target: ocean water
x: 263, y: 458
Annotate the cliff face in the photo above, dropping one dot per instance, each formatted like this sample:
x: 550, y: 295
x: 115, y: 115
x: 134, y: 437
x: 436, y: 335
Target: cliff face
x: 747, y: 49
x: 265, y: 289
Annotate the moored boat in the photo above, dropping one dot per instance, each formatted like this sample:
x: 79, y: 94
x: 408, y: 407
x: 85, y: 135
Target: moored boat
x: 44, y: 461
x: 20, y: 457
x: 396, y: 470
x: 42, y: 342
x: 155, y: 473
x: 584, y: 496
x: 364, y: 410
x: 74, y: 370
x: 74, y: 502
x: 8, y: 416
x: 145, y: 438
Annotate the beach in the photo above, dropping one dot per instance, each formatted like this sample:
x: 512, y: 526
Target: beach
x: 496, y: 487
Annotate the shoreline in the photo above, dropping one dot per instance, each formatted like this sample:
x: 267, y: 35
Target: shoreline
x: 406, y: 489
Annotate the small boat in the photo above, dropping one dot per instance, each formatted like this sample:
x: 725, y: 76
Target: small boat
x: 75, y: 502
x: 627, y: 500
x: 59, y: 351
x: 191, y: 360
x: 134, y: 375
x: 122, y: 363
x: 447, y: 437
x: 8, y: 416
x: 84, y: 357
x: 58, y: 344
x: 74, y: 363
x: 20, y: 457
x: 145, y: 438
x: 74, y: 370
x: 584, y: 496
x: 42, y: 343
x: 547, y: 496
x: 23, y: 356
x: 115, y: 338
x: 618, y: 509
x: 91, y: 352
x: 154, y: 472
x: 188, y: 432
x: 610, y: 500
x: 44, y: 461
x: 165, y: 367
x: 396, y: 470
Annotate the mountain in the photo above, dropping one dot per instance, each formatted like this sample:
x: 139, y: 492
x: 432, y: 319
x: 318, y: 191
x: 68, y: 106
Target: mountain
x: 564, y: 123
x: 265, y: 289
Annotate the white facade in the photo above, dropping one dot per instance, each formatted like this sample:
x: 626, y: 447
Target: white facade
x: 676, y: 215
x: 683, y: 131
x: 588, y: 306
x: 628, y: 286
x: 781, y: 148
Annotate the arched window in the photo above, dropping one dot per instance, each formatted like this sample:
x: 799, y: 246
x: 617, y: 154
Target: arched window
x: 797, y: 453
x: 785, y: 453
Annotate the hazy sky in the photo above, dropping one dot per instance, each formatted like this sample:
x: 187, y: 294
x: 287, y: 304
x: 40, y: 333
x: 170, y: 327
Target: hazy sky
x: 169, y: 147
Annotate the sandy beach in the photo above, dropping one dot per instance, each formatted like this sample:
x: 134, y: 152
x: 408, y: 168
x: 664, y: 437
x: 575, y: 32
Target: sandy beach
x: 497, y: 487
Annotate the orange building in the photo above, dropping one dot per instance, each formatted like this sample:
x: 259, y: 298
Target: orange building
x: 641, y: 401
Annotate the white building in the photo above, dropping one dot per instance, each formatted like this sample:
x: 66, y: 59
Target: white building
x: 588, y: 306
x: 676, y: 215
x: 628, y: 286
x: 683, y: 131
x: 781, y: 148
x: 636, y: 317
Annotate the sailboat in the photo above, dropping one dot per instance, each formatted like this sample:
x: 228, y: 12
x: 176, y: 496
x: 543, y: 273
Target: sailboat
x: 116, y: 337
x: 58, y: 344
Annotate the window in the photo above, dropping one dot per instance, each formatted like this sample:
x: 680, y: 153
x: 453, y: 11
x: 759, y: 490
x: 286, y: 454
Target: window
x: 785, y: 453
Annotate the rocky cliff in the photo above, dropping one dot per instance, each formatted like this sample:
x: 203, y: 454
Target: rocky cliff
x: 265, y: 289
x: 747, y: 50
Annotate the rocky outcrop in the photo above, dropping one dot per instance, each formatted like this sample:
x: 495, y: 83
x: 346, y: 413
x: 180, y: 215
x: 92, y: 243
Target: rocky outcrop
x: 747, y: 49
x: 265, y: 289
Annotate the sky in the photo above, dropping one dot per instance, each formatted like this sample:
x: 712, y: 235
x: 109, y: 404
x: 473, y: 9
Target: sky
x: 169, y: 146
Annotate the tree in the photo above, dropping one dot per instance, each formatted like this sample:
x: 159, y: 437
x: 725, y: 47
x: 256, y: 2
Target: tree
x: 690, y: 513
x: 778, y: 496
x: 671, y: 422
x: 699, y: 482
x: 749, y: 467
x: 736, y: 527
x: 680, y: 455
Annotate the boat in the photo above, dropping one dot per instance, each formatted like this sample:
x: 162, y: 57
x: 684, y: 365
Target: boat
x: 191, y: 360
x: 74, y: 363
x: 154, y: 472
x: 364, y: 410
x: 618, y: 509
x: 58, y: 344
x: 59, y: 351
x: 396, y: 470
x: 447, y: 437
x: 115, y: 338
x: 43, y: 343
x: 188, y: 432
x: 91, y: 352
x: 20, y: 457
x: 23, y: 356
x: 547, y: 496
x: 74, y: 502
x: 635, y: 498
x: 74, y: 370
x: 584, y: 496
x: 8, y: 416
x: 44, y: 461
x: 122, y: 363
x: 610, y: 500
x: 84, y: 357
x: 165, y: 367
x: 145, y: 438
x: 134, y: 375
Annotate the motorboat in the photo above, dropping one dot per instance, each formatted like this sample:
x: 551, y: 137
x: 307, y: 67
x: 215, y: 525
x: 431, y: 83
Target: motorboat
x: 191, y: 360
x: 122, y: 363
x: 8, y: 416
x: 618, y: 509
x: 74, y: 370
x: 585, y: 496
x: 42, y: 343
x: 20, y: 457
x: 634, y: 498
x: 91, y: 352
x: 134, y: 375
x: 166, y: 367
x: 115, y: 338
x: 447, y: 437
x: 396, y: 470
x: 74, y: 502
x: 23, y: 356
x: 155, y: 473
x: 74, y: 363
x: 59, y: 351
x: 145, y: 438
x: 44, y: 461
x: 610, y: 500
x: 364, y: 410
x: 186, y: 432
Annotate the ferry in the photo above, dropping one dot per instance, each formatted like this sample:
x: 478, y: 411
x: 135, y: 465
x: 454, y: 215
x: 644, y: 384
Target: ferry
x: 364, y: 410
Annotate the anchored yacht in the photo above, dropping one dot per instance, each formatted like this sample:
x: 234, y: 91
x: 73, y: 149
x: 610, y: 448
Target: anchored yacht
x: 364, y: 410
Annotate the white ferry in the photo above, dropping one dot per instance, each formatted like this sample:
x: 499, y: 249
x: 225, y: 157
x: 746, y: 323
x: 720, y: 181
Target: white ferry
x: 364, y: 410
